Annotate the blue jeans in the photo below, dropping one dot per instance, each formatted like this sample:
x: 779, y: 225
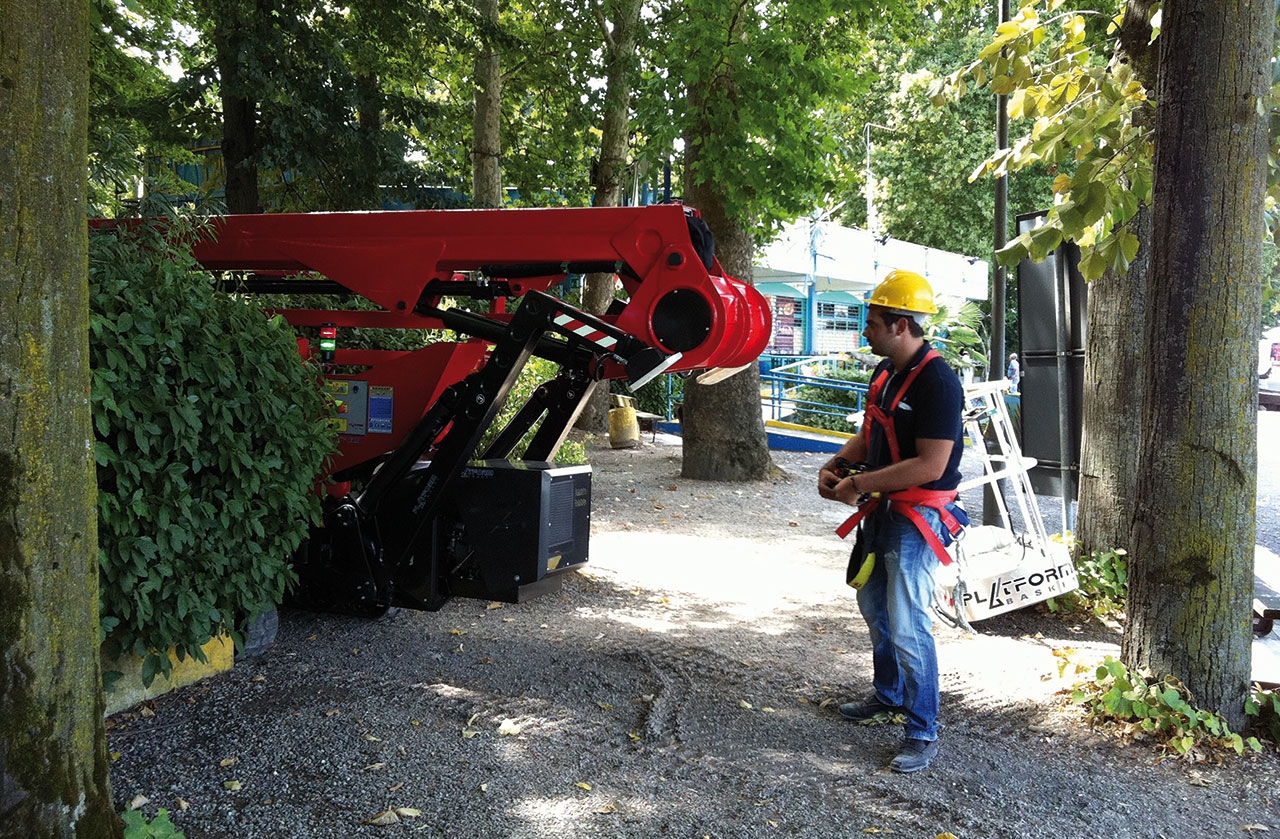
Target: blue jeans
x: 896, y: 602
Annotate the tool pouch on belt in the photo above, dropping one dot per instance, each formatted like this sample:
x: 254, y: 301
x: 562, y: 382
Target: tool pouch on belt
x: 861, y: 561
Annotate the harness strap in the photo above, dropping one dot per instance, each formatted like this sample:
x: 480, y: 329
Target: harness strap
x: 911, y: 500
x: 883, y: 417
x: 914, y: 497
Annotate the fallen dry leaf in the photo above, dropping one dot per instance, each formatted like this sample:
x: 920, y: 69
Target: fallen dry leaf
x: 456, y: 631
x: 147, y: 711
x: 946, y: 836
x: 744, y: 704
x: 259, y: 679
x: 396, y: 787
x: 607, y: 808
x: 793, y: 524
x: 604, y: 706
x: 1255, y: 828
x: 138, y: 801
x: 510, y: 728
x: 182, y: 804
x: 232, y: 785
x: 372, y: 739
x: 493, y: 605
x: 384, y: 818
x: 374, y: 767
x: 408, y: 812
x: 332, y: 713
x: 583, y: 785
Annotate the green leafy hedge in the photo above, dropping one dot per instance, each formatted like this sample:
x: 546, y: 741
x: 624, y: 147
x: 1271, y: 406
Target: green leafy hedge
x: 210, y: 434
x: 846, y: 401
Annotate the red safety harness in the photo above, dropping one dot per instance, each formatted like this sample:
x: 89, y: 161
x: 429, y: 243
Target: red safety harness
x: 914, y: 497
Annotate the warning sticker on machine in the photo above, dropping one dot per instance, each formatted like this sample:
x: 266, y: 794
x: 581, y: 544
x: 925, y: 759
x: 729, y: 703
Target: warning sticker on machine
x: 381, y: 405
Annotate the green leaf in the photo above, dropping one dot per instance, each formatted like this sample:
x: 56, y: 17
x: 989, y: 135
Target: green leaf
x: 1043, y: 240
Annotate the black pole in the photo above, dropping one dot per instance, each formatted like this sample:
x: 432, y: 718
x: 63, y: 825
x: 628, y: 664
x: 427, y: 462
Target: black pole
x: 996, y: 356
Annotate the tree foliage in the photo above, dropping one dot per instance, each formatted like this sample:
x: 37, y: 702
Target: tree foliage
x: 1086, y: 111
x: 776, y: 70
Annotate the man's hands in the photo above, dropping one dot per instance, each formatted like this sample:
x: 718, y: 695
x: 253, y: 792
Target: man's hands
x: 837, y: 483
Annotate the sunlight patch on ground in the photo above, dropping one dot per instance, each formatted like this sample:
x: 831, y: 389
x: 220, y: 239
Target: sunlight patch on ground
x: 565, y: 815
x: 830, y: 767
x: 748, y: 579
x: 667, y: 622
x: 996, y: 667
x: 450, y: 691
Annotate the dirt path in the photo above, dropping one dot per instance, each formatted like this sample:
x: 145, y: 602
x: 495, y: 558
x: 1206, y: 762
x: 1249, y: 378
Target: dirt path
x: 684, y: 685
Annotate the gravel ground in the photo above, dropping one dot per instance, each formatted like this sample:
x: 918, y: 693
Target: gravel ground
x: 683, y: 685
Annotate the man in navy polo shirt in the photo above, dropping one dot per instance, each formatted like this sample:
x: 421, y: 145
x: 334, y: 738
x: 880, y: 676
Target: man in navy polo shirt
x: 901, y: 472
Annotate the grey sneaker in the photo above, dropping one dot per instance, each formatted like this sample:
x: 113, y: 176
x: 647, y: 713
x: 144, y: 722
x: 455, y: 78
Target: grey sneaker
x: 915, y: 756
x: 867, y: 710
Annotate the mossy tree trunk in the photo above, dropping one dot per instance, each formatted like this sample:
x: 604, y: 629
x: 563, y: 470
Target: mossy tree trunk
x: 53, y: 750
x: 620, y: 33
x: 1193, y: 536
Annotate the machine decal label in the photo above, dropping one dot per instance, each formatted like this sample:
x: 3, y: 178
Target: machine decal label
x: 350, y: 402
x: 381, y: 405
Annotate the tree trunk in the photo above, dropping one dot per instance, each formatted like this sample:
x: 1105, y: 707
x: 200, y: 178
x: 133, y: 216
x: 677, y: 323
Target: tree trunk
x: 486, y: 173
x: 1111, y: 410
x: 1115, y: 367
x: 1191, y: 570
x: 364, y: 191
x: 620, y: 56
x: 239, y: 110
x: 722, y: 425
x: 53, y: 748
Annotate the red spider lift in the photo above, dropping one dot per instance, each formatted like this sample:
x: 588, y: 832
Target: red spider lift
x: 411, y: 515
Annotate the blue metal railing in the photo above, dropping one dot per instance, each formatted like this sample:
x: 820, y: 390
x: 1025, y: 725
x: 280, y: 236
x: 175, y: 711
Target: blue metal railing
x: 784, y: 376
x: 786, y: 379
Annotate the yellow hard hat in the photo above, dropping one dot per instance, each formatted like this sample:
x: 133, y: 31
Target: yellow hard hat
x: 904, y: 291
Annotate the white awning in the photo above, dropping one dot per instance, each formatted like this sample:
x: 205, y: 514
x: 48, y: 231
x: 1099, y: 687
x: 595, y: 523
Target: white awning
x: 839, y: 258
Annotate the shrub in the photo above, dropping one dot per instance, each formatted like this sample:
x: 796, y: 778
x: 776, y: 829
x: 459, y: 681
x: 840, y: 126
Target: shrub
x: 653, y: 397
x: 136, y: 826
x: 1144, y: 706
x: 1104, y: 585
x: 210, y: 434
x: 534, y: 374
x: 844, y: 401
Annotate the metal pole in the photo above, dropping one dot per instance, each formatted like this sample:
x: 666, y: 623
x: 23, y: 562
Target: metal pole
x: 995, y: 370
x: 1062, y: 305
x: 996, y: 357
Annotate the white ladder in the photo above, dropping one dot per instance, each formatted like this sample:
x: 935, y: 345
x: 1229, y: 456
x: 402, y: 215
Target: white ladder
x: 984, y: 401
